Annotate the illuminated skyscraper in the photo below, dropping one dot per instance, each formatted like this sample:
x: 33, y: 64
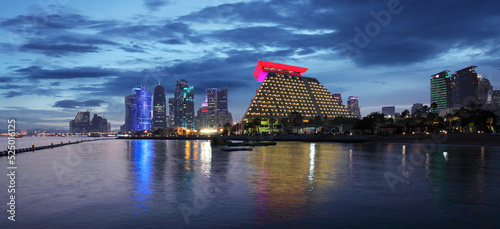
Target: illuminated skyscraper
x: 353, y: 107
x: 184, y: 105
x: 137, y: 110
x: 464, y: 87
x: 143, y: 108
x: 212, y: 106
x: 284, y: 91
x: 159, y: 108
x: 441, y: 90
x: 214, y: 111
x: 171, y: 112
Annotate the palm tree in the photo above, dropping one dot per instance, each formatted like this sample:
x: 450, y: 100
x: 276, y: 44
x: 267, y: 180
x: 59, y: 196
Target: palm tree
x: 256, y: 123
x: 405, y: 115
x: 434, y: 106
x: 271, y: 122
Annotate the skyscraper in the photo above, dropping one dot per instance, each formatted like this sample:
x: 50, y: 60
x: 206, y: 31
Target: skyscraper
x: 353, y: 107
x: 159, y: 108
x: 212, y: 106
x: 441, y: 90
x: 184, y: 105
x: 171, y: 112
x: 143, y: 101
x: 137, y: 110
x: 130, y: 113
x: 464, y: 87
x: 214, y: 111
x: 284, y: 92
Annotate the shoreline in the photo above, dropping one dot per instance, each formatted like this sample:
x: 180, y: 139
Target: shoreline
x: 445, y: 139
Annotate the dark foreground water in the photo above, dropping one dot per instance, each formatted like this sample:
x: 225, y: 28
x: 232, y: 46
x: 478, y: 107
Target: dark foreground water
x: 177, y: 184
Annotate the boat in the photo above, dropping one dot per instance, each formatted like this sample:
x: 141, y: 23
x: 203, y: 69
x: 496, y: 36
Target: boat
x: 239, y: 148
x: 251, y: 143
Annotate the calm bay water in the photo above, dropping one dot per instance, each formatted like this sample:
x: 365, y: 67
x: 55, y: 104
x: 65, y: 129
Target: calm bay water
x: 177, y: 184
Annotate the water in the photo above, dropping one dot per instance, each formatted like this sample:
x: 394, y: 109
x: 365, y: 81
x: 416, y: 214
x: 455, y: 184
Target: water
x: 178, y: 184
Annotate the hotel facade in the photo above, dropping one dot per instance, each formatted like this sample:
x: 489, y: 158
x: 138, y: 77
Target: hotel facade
x: 285, y: 91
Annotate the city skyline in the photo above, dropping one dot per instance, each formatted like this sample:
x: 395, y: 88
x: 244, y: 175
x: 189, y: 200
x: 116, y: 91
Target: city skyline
x: 68, y: 57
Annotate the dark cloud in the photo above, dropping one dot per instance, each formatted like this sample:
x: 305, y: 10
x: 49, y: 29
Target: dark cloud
x: 36, y: 72
x: 55, y: 84
x: 59, y: 50
x: 154, y: 5
x: 409, y: 37
x: 77, y: 104
x: 172, y: 42
x: 133, y: 48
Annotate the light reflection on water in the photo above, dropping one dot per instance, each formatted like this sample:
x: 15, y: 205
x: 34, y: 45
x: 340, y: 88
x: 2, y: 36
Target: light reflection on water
x: 153, y: 183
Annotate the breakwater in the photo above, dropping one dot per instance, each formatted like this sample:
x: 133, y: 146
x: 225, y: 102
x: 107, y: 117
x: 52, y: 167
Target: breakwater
x: 51, y: 146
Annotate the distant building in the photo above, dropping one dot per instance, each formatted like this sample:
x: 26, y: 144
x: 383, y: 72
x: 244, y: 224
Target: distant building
x: 353, y: 107
x: 184, y: 105
x: 159, y: 108
x: 441, y: 91
x: 214, y: 111
x: 83, y: 124
x: 138, y: 111
x: 100, y: 124
x: 495, y: 99
x: 464, y: 85
x: 485, y: 92
x: 338, y: 97
x: 389, y: 111
x: 417, y: 107
x: 130, y: 113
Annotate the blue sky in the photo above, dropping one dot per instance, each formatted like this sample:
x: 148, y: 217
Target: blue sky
x: 59, y: 57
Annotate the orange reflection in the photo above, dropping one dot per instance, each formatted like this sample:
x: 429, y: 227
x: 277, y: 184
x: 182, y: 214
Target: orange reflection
x: 289, y: 178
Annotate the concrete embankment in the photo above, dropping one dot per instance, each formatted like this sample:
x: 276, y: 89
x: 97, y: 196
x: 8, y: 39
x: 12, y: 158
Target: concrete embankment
x: 51, y: 146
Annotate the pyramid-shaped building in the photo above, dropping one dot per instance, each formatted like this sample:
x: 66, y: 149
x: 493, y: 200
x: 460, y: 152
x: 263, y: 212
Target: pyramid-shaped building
x: 284, y: 90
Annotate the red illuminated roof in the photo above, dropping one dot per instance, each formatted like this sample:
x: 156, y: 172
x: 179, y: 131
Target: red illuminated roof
x: 263, y: 67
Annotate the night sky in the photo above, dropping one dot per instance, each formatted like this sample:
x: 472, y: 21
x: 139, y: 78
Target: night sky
x: 59, y: 57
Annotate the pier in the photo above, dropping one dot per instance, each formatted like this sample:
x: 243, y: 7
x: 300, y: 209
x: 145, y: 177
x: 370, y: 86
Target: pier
x: 51, y: 146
